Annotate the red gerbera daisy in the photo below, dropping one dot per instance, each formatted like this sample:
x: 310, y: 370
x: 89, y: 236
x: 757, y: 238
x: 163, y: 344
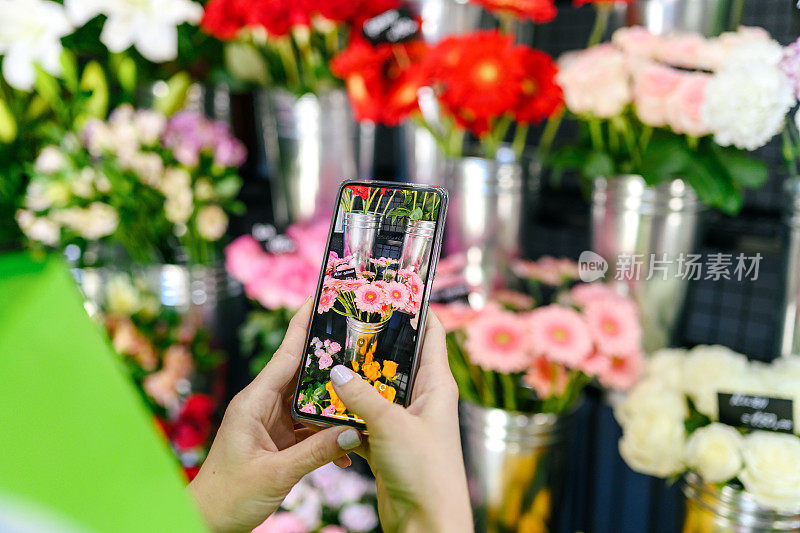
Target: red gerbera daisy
x: 541, y: 95
x: 538, y: 11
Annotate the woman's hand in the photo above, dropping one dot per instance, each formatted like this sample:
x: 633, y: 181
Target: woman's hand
x: 257, y: 456
x: 415, y: 453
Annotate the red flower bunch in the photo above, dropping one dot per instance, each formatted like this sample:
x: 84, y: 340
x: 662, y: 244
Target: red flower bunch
x: 538, y: 11
x: 579, y: 3
x: 193, y: 426
x: 224, y: 19
x: 382, y: 81
x: 482, y: 76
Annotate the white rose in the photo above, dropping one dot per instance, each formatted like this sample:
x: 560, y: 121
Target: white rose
x: 212, y: 222
x: 667, y: 365
x: 652, y: 443
x: 178, y: 207
x: 772, y: 469
x: 783, y: 381
x: 122, y: 298
x: 651, y: 394
x: 50, y: 160
x: 708, y: 369
x: 715, y: 453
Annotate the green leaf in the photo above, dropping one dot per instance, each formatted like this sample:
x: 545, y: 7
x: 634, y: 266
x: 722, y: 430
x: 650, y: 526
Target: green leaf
x: 743, y: 169
x: 127, y: 74
x: 8, y: 125
x: 713, y: 185
x: 598, y: 164
x: 69, y: 70
x: 175, y: 97
x: 94, y: 79
x: 416, y: 214
x: 665, y: 159
x: 228, y: 187
x: 48, y: 88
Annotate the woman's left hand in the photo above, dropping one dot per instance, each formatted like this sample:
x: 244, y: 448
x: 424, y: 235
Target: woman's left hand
x: 257, y: 455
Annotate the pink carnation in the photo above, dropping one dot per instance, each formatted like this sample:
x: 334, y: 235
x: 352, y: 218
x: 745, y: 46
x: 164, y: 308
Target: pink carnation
x: 370, y: 298
x: 560, y: 334
x: 325, y: 361
x: 653, y: 85
x: 329, y: 411
x: 282, y: 522
x: 547, y: 378
x: 309, y: 408
x: 614, y: 326
x: 244, y: 257
x: 497, y: 340
x: 623, y: 371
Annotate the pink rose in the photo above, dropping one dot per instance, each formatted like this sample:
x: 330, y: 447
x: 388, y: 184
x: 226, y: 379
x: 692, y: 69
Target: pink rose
x: 636, y: 41
x: 653, y: 85
x: 684, y: 106
x: 325, y: 361
x: 309, y: 408
x: 244, y: 257
x: 682, y: 49
x: 595, y: 81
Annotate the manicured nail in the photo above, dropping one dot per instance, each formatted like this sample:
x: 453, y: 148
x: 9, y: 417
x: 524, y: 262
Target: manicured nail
x: 340, y: 374
x: 349, y: 439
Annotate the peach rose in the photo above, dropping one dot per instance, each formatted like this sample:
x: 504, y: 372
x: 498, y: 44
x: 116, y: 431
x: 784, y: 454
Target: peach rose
x: 684, y: 108
x: 653, y: 85
x: 595, y: 81
x: 636, y: 41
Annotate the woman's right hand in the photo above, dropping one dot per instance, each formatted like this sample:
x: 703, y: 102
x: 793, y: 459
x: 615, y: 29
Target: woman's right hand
x: 415, y: 453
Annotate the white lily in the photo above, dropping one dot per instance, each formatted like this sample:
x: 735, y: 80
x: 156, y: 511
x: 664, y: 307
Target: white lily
x: 151, y: 26
x: 30, y: 34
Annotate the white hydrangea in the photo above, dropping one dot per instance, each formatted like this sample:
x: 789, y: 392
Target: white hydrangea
x: 748, y: 98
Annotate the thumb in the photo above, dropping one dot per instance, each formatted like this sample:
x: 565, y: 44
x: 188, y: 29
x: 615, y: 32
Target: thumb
x: 359, y: 397
x: 318, y: 450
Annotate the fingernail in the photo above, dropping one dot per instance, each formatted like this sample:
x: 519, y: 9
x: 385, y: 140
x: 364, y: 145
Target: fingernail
x: 340, y: 374
x: 349, y: 439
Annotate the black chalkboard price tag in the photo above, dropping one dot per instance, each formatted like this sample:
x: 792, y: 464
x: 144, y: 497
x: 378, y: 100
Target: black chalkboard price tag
x: 393, y: 26
x: 756, y: 412
x: 344, y: 273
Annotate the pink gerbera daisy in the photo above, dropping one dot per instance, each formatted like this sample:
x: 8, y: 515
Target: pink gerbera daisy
x: 560, y: 334
x: 497, y: 340
x: 415, y: 286
x: 623, y: 370
x: 326, y: 300
x: 453, y: 316
x: 614, y: 325
x: 584, y: 293
x: 547, y: 378
x: 396, y: 294
x: 595, y: 365
x: 370, y: 298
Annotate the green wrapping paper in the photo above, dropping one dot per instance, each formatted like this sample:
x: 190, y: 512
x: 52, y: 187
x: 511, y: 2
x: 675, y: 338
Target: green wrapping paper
x: 75, y: 438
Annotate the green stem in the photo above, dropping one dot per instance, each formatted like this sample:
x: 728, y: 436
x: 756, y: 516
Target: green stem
x: 602, y: 14
x: 488, y: 391
x: 440, y: 140
x: 737, y: 9
x: 596, y: 133
x: 455, y: 144
x: 549, y: 134
x: 286, y: 53
x: 789, y: 151
x: 520, y: 136
x: 394, y: 191
x: 509, y: 392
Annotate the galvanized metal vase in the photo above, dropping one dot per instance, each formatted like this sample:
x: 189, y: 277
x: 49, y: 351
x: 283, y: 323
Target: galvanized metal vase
x: 707, y: 17
x: 417, y: 244
x: 710, y: 509
x: 515, y: 466
x: 360, y: 232
x: 634, y: 224
x: 790, y: 323
x: 312, y: 143
x: 484, y: 217
x: 361, y: 340
x: 422, y: 160
x: 441, y: 18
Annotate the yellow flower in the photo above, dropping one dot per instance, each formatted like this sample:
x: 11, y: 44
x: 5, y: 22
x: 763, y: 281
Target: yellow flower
x: 386, y: 391
x: 354, y: 365
x: 335, y: 401
x: 372, y: 371
x: 389, y: 369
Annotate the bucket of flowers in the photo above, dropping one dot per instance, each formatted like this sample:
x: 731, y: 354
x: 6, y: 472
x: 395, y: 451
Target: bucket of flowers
x: 520, y: 363
x: 420, y: 212
x: 362, y: 221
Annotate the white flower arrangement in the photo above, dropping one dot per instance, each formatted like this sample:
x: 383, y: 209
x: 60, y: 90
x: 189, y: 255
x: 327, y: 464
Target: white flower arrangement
x: 670, y: 423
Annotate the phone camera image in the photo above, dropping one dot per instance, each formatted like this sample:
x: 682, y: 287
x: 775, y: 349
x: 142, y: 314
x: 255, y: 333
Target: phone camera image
x: 373, y: 289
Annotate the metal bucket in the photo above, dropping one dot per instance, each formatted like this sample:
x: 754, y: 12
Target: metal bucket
x: 417, y: 244
x: 312, y: 144
x: 515, y: 466
x: 422, y: 159
x: 360, y: 232
x: 441, y: 18
x: 711, y: 509
x: 790, y: 325
x: 707, y: 17
x: 630, y: 219
x: 484, y: 218
x: 361, y: 339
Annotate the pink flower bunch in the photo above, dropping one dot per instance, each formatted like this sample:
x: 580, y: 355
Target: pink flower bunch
x: 278, y: 280
x: 547, y: 270
x: 790, y: 65
x: 324, y: 351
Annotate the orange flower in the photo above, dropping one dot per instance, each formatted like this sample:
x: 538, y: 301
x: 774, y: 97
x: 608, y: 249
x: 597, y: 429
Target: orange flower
x: 354, y: 364
x: 335, y: 401
x: 389, y: 369
x: 372, y: 371
x: 386, y: 391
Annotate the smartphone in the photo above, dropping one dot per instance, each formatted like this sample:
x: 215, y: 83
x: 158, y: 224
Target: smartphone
x: 372, y: 297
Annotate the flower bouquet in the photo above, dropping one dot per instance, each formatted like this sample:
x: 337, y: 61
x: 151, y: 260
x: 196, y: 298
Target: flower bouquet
x: 157, y: 188
x: 520, y: 364
x: 169, y: 357
x: 279, y: 278
x: 328, y: 500
x: 648, y: 105
x: 678, y: 421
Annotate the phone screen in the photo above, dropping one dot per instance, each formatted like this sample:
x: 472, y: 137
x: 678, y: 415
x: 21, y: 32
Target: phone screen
x: 372, y: 298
